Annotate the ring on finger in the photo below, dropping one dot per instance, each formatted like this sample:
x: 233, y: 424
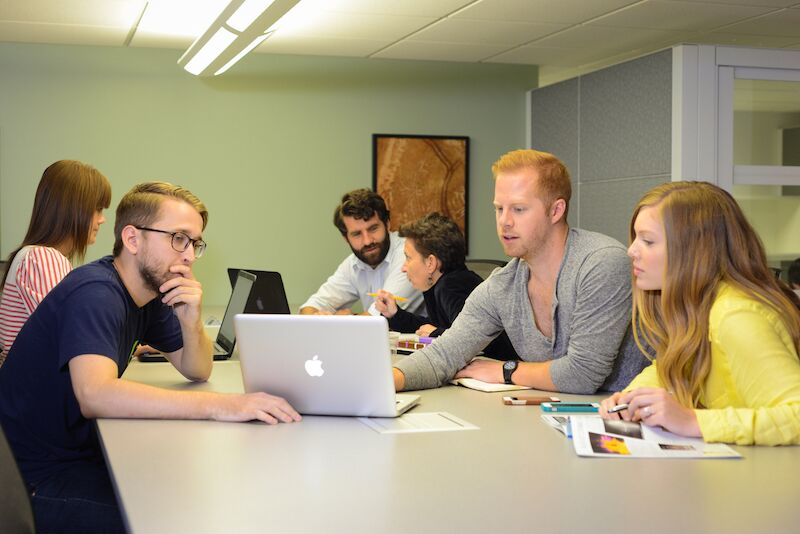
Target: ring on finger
x: 647, y: 411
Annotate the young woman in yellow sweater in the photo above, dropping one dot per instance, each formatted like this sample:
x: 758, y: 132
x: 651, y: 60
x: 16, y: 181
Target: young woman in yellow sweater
x: 725, y: 332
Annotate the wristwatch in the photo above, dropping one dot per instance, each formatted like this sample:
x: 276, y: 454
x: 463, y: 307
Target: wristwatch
x: 508, y: 369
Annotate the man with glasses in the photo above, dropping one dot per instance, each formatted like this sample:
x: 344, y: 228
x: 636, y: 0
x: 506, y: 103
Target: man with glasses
x: 65, y: 367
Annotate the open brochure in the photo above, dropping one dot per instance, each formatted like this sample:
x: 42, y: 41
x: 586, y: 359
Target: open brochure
x: 559, y: 422
x: 594, y: 436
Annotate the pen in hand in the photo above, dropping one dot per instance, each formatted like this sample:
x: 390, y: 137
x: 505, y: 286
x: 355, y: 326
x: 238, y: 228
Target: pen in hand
x: 618, y: 408
x: 395, y: 297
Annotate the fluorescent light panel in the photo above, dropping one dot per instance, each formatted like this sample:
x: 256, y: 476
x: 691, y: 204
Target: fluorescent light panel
x: 238, y: 29
x: 249, y: 11
x: 257, y: 41
x: 221, y: 40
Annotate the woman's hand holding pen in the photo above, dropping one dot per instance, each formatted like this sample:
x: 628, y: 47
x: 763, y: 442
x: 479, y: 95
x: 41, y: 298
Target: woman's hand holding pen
x: 610, y: 408
x: 385, y: 303
x: 653, y: 407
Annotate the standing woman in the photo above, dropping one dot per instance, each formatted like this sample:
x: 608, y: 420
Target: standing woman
x: 724, y: 330
x: 435, y: 254
x: 67, y: 213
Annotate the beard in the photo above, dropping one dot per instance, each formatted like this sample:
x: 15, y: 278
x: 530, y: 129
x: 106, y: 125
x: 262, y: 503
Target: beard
x: 382, y: 246
x: 152, y: 277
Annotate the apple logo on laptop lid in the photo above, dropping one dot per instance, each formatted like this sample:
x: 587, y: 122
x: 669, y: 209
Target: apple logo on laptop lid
x: 314, y: 366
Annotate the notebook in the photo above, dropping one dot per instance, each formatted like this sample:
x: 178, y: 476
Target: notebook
x: 322, y: 365
x: 268, y: 295
x: 226, y: 338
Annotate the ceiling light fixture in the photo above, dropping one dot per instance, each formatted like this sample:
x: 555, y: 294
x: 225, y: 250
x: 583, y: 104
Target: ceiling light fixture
x: 241, y: 27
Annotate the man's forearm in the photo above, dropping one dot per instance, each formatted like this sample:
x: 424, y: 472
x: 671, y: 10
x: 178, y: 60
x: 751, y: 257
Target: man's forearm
x: 535, y: 375
x: 196, y: 357
x: 118, y: 398
x: 399, y: 379
x: 309, y: 310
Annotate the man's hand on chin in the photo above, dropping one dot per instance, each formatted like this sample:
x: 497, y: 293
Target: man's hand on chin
x: 183, y: 293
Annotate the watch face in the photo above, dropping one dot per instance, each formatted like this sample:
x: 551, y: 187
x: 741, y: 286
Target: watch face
x: 509, y: 365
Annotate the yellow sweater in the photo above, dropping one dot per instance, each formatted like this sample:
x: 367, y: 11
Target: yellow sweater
x: 752, y: 393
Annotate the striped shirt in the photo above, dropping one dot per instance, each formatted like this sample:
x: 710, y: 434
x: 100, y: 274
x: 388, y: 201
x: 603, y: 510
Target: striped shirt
x: 33, y: 273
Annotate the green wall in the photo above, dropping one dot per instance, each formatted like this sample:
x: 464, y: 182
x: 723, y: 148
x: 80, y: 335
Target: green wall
x: 269, y: 147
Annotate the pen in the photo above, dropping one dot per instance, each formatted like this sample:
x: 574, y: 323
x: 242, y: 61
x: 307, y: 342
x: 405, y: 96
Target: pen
x: 618, y: 408
x: 395, y: 297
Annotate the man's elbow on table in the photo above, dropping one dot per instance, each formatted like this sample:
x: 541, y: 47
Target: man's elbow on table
x: 399, y: 379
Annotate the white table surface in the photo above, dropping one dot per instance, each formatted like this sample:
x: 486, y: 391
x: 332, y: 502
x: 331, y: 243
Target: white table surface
x: 334, y: 474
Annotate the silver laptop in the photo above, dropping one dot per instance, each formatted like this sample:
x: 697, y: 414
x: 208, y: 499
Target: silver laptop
x: 322, y: 365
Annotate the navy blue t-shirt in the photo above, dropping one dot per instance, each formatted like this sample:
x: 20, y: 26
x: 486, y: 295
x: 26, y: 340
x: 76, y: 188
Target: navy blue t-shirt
x: 88, y: 312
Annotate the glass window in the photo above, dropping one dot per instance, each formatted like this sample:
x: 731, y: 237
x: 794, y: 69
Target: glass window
x: 766, y: 122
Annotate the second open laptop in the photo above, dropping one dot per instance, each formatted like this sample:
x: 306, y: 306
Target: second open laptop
x: 322, y: 365
x: 226, y: 337
x: 268, y: 294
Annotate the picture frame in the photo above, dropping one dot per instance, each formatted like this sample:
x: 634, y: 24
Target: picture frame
x: 420, y: 174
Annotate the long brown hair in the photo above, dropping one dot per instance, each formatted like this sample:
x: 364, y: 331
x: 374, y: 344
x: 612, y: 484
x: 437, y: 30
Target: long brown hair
x: 709, y: 241
x: 68, y: 196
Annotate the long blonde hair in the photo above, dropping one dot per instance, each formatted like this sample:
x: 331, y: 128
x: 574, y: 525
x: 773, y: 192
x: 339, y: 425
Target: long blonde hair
x: 708, y: 241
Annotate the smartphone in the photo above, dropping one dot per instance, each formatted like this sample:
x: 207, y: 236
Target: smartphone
x: 527, y: 400
x: 571, y: 407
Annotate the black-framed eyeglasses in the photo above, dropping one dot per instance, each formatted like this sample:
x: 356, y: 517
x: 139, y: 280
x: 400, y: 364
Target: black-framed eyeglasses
x: 180, y: 241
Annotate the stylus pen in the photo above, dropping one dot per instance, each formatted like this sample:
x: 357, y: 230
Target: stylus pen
x: 395, y: 297
x: 618, y: 408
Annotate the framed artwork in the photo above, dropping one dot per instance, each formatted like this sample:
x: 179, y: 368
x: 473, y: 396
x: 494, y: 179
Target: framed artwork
x: 419, y: 174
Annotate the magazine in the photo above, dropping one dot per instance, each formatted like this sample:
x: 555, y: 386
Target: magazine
x: 608, y: 438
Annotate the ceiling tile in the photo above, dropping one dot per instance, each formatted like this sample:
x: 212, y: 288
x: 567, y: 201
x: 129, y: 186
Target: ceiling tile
x: 541, y: 55
x: 560, y: 11
x: 740, y: 39
x: 596, y: 37
x: 454, y: 30
x: 784, y: 24
x: 762, y: 3
x: 351, y: 26
x: 439, y: 51
x: 85, y: 12
x: 32, y: 32
x: 419, y: 8
x: 320, y: 46
x: 662, y: 15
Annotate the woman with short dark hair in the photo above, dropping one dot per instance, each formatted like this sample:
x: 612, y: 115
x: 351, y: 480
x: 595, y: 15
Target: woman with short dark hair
x: 435, y: 253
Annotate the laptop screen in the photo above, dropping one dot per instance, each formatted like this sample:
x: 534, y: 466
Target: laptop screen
x: 236, y: 304
x: 268, y: 294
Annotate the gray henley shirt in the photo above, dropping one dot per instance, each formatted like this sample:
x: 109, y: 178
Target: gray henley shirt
x: 592, y: 346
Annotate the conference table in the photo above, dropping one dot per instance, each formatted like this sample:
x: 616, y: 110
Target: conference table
x: 336, y: 474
